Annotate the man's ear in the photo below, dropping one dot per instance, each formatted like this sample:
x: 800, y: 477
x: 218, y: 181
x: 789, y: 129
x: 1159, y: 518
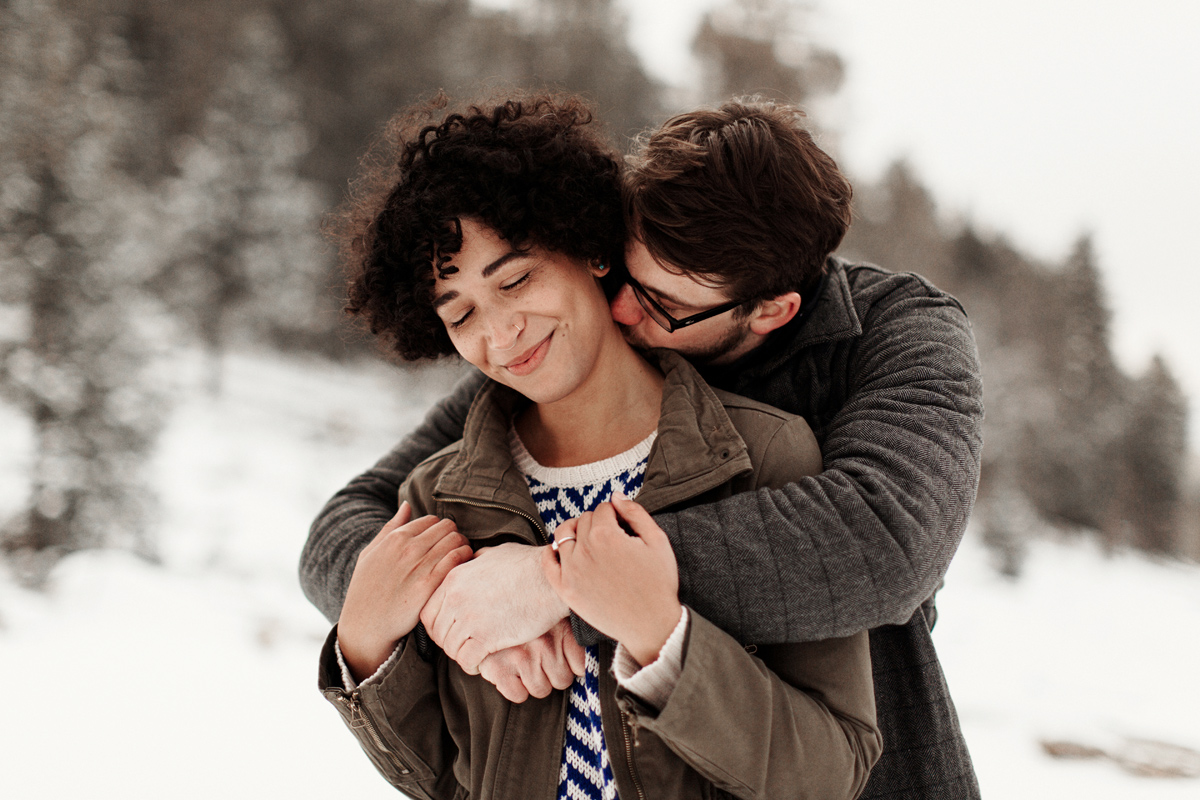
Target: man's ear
x: 772, y: 314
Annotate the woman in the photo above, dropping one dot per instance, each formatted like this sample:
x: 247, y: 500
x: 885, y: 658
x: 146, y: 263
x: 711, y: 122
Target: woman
x: 491, y: 241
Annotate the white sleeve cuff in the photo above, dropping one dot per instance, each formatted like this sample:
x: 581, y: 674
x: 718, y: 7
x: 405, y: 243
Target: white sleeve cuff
x: 654, y: 682
x: 348, y: 680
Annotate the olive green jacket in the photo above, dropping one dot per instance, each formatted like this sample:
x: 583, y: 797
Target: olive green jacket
x: 777, y: 721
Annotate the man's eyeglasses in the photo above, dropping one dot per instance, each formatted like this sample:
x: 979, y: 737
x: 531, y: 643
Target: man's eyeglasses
x: 669, y: 323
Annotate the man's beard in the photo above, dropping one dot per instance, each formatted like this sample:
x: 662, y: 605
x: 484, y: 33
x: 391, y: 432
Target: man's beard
x: 700, y: 356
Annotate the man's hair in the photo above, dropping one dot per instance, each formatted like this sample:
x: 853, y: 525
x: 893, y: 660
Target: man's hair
x: 739, y: 196
x: 534, y: 169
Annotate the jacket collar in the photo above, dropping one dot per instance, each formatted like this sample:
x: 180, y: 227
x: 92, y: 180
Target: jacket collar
x: 697, y: 447
x: 828, y: 316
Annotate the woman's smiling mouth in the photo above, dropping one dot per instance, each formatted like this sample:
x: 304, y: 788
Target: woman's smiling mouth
x: 528, y: 361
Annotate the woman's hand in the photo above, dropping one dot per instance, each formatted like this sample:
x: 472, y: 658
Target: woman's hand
x: 626, y: 587
x: 394, y: 577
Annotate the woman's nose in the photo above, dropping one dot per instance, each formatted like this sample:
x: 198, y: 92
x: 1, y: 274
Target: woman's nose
x: 625, y: 308
x: 504, y: 334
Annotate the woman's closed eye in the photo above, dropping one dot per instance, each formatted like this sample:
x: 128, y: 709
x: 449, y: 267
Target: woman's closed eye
x: 518, y: 282
x: 458, y: 323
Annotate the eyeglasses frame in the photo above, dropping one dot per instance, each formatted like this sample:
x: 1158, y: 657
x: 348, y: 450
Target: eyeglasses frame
x: 646, y: 302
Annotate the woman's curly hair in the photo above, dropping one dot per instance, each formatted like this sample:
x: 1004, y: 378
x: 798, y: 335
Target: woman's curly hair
x: 534, y: 169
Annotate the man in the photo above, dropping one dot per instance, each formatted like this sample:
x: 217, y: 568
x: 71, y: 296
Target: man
x: 734, y: 214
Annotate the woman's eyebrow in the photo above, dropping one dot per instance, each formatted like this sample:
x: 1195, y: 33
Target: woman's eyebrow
x: 491, y: 268
x: 488, y: 271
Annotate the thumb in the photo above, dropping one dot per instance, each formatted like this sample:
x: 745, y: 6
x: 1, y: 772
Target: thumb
x: 402, y: 517
x: 640, y: 521
x: 552, y: 569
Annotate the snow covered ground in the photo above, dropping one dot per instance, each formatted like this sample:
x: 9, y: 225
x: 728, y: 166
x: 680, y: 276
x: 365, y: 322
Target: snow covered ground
x: 196, y: 678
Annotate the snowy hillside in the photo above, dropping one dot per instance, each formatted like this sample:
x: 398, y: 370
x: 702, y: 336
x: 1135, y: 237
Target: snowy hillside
x: 196, y: 679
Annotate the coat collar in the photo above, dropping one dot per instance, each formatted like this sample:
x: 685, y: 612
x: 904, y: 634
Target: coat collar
x: 828, y: 316
x: 697, y: 447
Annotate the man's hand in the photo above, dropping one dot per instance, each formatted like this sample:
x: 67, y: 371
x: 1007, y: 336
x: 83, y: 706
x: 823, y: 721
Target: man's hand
x: 393, y: 578
x: 626, y: 587
x: 550, y: 661
x: 498, y: 599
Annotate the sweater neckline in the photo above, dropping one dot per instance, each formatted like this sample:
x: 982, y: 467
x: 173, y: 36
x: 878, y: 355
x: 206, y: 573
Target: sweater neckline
x: 583, y: 474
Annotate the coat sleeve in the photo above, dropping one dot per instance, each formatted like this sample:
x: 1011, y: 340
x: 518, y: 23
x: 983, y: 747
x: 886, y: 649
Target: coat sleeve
x: 797, y: 722
x: 398, y: 721
x: 352, y: 517
x: 398, y: 715
x: 867, y: 541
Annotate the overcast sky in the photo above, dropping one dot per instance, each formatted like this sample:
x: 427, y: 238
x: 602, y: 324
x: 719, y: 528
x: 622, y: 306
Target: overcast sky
x: 1040, y: 119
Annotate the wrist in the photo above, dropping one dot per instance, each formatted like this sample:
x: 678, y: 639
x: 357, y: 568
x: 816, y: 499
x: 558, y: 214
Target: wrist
x: 646, y: 644
x: 362, y: 653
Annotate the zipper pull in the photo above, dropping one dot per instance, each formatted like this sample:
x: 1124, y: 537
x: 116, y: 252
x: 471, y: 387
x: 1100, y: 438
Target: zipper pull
x: 357, y: 718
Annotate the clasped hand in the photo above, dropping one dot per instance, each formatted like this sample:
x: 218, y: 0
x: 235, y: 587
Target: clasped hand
x: 501, y: 612
x: 394, y: 577
x: 625, y: 586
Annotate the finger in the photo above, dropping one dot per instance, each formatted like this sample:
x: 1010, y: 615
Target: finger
x: 552, y: 569
x: 582, y: 528
x: 443, y: 620
x: 445, y: 565
x: 402, y: 516
x: 575, y: 654
x: 430, y: 546
x: 471, y: 655
x: 401, y: 535
x: 457, y: 635
x: 606, y: 519
x: 430, y: 612
x: 558, y: 669
x: 438, y: 530
x: 534, y: 677
x: 441, y: 547
x: 640, y: 521
x: 513, y: 690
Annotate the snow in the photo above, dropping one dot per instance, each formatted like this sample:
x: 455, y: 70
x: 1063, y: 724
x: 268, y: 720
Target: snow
x: 196, y: 678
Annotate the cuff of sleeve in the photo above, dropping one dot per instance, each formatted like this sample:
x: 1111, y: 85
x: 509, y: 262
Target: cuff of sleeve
x: 348, y: 680
x: 654, y: 682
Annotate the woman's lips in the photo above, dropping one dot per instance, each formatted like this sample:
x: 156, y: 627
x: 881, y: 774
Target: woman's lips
x: 528, y: 361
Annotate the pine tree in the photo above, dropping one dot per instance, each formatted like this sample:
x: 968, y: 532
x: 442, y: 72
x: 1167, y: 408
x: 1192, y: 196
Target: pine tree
x: 247, y: 262
x: 759, y: 47
x: 77, y: 242
x: 1153, y: 452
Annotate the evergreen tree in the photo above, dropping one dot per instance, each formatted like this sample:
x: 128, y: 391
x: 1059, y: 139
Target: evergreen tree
x: 247, y: 262
x: 77, y: 242
x: 1153, y: 451
x: 759, y: 47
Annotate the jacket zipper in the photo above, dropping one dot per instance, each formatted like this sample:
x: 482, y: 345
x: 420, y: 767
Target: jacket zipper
x: 360, y: 719
x: 637, y: 781
x: 537, y: 525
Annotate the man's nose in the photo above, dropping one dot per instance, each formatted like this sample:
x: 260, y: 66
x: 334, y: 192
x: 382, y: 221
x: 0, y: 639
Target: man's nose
x: 625, y: 308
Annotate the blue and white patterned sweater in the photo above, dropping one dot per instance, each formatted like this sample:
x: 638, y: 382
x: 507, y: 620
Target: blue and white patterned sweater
x: 563, y: 493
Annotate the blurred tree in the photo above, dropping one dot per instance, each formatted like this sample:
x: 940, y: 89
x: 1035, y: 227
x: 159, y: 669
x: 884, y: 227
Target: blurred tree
x: 582, y: 46
x: 896, y: 222
x: 77, y: 242
x: 760, y: 47
x: 1153, y: 450
x: 245, y: 259
x: 1070, y: 439
x: 1069, y: 471
x: 360, y: 61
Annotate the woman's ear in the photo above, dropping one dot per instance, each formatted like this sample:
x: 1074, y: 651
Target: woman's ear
x: 773, y: 314
x: 598, y: 269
